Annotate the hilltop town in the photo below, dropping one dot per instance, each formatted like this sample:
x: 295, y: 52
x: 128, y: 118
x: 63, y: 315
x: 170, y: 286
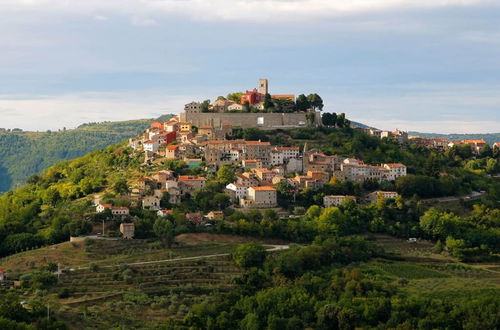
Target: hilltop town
x: 256, y: 170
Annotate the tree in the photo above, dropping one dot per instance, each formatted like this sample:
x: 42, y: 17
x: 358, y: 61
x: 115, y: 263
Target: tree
x: 165, y: 200
x: 284, y: 105
x: 432, y: 165
x: 249, y: 255
x: 236, y: 97
x: 121, y: 187
x: 315, y: 101
x: 310, y: 117
x: 226, y: 174
x: 302, y: 103
x: 342, y: 121
x: 164, y: 230
x: 492, y: 166
x: 205, y: 106
x: 285, y: 192
x: 268, y: 102
x: 246, y: 106
x: 329, y: 119
x: 221, y: 201
x: 79, y: 227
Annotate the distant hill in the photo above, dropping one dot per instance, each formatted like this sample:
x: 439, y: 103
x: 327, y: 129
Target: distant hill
x: 25, y: 153
x: 361, y: 125
x: 489, y: 138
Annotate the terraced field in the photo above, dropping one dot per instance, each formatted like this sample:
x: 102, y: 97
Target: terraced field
x: 148, y: 292
x: 424, y: 272
x: 135, y: 283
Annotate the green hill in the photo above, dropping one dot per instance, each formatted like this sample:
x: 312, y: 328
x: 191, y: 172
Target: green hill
x: 25, y: 153
x: 349, y: 266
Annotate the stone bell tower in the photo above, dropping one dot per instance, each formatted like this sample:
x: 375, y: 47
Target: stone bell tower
x: 263, y: 86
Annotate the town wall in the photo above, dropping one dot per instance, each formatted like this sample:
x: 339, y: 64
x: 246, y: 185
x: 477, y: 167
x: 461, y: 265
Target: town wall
x: 247, y: 120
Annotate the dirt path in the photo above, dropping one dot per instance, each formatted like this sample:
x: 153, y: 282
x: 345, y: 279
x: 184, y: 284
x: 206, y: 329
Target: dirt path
x: 271, y: 249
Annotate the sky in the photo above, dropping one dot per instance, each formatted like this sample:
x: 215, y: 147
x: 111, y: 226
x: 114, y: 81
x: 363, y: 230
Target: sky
x: 419, y: 65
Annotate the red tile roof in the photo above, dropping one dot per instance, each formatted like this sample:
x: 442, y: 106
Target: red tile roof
x: 191, y: 178
x: 395, y: 165
x: 264, y: 188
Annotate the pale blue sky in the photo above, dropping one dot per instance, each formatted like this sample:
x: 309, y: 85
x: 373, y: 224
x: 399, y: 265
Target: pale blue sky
x: 415, y: 65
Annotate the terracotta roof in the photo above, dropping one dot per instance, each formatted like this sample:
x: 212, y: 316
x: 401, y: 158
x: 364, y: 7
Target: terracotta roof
x: 264, y: 188
x: 262, y: 170
x: 108, y: 206
x: 282, y: 96
x: 478, y: 141
x: 172, y: 147
x: 257, y: 143
x: 150, y: 141
x: 395, y: 165
x: 191, y: 178
x: 119, y: 208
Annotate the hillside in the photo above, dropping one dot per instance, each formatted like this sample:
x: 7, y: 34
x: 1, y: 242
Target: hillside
x: 25, y: 153
x: 349, y: 264
x: 490, y: 138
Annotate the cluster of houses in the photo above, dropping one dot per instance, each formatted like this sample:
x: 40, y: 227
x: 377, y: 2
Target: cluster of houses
x: 261, y: 166
x: 476, y: 145
x: 336, y: 200
x: 400, y: 136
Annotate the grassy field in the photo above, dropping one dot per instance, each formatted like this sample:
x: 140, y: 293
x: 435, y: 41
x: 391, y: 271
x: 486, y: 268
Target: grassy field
x: 110, y: 252
x: 425, y: 273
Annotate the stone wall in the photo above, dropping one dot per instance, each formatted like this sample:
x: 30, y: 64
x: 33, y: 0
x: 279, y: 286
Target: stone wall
x: 247, y: 120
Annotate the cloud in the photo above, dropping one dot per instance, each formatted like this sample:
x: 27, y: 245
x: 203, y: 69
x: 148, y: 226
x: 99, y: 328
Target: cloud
x: 143, y: 21
x: 231, y: 10
x: 100, y: 18
x: 56, y: 112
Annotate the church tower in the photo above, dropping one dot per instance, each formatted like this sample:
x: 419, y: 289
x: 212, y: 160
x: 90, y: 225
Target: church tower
x: 263, y: 86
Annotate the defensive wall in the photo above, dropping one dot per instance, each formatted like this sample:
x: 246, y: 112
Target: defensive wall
x: 247, y: 120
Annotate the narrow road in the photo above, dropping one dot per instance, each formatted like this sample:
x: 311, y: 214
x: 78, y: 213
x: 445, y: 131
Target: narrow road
x: 271, y: 249
x: 473, y: 194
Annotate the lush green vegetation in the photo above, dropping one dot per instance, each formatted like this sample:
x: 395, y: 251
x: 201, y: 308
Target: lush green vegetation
x: 25, y: 153
x: 311, y: 287
x: 337, y: 279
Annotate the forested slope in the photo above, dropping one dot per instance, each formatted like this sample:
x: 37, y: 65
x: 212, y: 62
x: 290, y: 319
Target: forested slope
x: 25, y: 153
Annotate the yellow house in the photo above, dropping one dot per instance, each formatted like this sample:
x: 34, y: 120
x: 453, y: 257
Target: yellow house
x: 185, y: 127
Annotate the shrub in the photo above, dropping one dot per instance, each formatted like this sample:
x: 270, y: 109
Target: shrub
x: 249, y: 255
